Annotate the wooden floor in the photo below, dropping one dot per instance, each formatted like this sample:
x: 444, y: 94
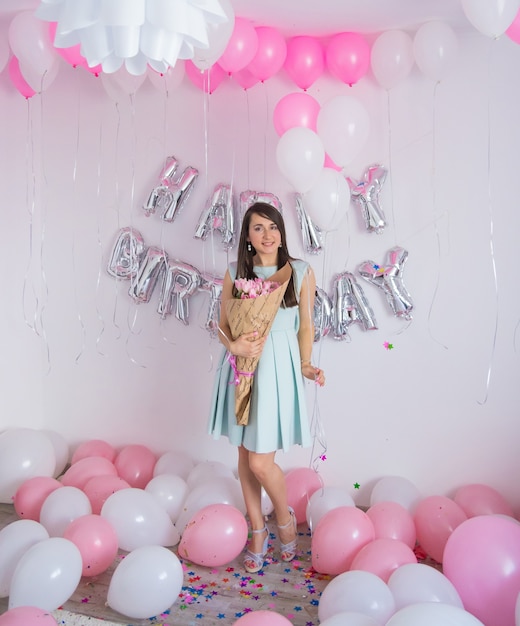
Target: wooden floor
x: 209, y: 596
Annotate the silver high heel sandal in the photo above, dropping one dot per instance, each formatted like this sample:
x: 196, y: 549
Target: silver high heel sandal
x: 256, y: 559
x: 288, y: 550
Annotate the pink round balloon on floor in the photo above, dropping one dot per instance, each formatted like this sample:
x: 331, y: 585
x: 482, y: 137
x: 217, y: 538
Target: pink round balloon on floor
x: 83, y: 470
x: 135, y: 464
x: 436, y: 517
x: 262, y: 618
x: 382, y: 557
x: 27, y: 616
x: 94, y: 447
x: 479, y: 499
x: 301, y: 483
x: 30, y: 496
x: 96, y: 539
x: 99, y: 488
x: 215, y: 536
x: 482, y: 560
x: 392, y: 521
x: 339, y: 536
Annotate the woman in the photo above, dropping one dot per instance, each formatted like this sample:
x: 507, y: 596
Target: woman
x: 278, y: 414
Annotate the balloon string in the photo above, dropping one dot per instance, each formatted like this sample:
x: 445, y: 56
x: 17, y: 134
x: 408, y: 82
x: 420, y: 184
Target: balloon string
x: 436, y: 229
x: 74, y: 185
x: 316, y: 426
x: 266, y: 109
x: 99, y: 243
x: 390, y: 165
x: 131, y: 325
x: 491, y: 235
x: 30, y: 204
x: 118, y: 216
x: 248, y: 139
x: 45, y: 289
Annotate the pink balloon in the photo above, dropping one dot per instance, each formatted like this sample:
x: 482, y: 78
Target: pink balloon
x: 305, y: 60
x: 270, y: 54
x: 31, y: 494
x: 135, y: 464
x: 339, y: 536
x: 94, y: 447
x: 245, y: 79
x: 479, y: 499
x: 382, y: 557
x: 205, y: 80
x: 18, y: 80
x: 241, y: 47
x: 482, y: 560
x: 96, y: 539
x: 83, y: 470
x: 262, y: 618
x: 215, y: 535
x: 392, y: 521
x: 27, y: 616
x: 436, y: 517
x: 301, y: 483
x: 348, y: 57
x: 99, y: 488
x: 295, y: 109
x: 513, y: 32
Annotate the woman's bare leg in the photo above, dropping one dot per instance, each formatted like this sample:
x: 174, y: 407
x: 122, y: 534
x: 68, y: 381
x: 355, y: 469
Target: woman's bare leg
x: 268, y: 474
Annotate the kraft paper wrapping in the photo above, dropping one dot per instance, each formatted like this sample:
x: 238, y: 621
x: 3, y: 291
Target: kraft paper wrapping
x: 245, y: 316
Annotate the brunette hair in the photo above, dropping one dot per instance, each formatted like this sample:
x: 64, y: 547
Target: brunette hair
x: 245, y: 257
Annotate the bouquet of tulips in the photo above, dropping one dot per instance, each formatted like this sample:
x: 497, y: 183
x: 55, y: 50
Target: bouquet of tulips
x: 253, y: 309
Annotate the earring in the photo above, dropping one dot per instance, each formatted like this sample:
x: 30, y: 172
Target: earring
x: 249, y: 246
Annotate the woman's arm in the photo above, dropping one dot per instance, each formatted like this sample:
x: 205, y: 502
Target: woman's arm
x: 246, y: 345
x: 306, y: 329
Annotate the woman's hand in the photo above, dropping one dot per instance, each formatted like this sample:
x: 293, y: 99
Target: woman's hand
x: 313, y: 373
x: 248, y: 345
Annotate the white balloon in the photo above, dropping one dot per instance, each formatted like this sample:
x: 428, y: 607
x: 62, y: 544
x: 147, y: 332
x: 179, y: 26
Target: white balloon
x: 145, y: 583
x: 174, y: 462
x: 396, y: 489
x: 357, y: 591
x: 433, y: 614
x: 350, y: 618
x: 327, y: 201
x: 30, y: 41
x: 47, y: 575
x: 15, y: 539
x: 61, y: 450
x: 416, y: 582
x: 166, y: 82
x: 219, y: 35
x: 204, y: 471
x: 491, y: 17
x: 434, y: 47
x: 139, y: 520
x: 170, y: 491
x: 323, y: 501
x: 220, y: 490
x: 300, y: 156
x: 392, y: 57
x: 344, y: 127
x: 61, y: 507
x: 266, y: 502
x: 24, y: 453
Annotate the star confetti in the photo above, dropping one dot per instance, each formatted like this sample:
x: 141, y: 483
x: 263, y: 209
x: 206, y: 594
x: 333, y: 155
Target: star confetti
x: 388, y: 346
x: 357, y: 485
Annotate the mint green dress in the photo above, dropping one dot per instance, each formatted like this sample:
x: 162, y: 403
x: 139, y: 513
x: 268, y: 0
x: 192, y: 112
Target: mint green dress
x: 278, y: 416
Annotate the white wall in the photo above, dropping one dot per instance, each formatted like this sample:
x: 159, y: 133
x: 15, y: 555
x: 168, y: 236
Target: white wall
x: 79, y: 357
